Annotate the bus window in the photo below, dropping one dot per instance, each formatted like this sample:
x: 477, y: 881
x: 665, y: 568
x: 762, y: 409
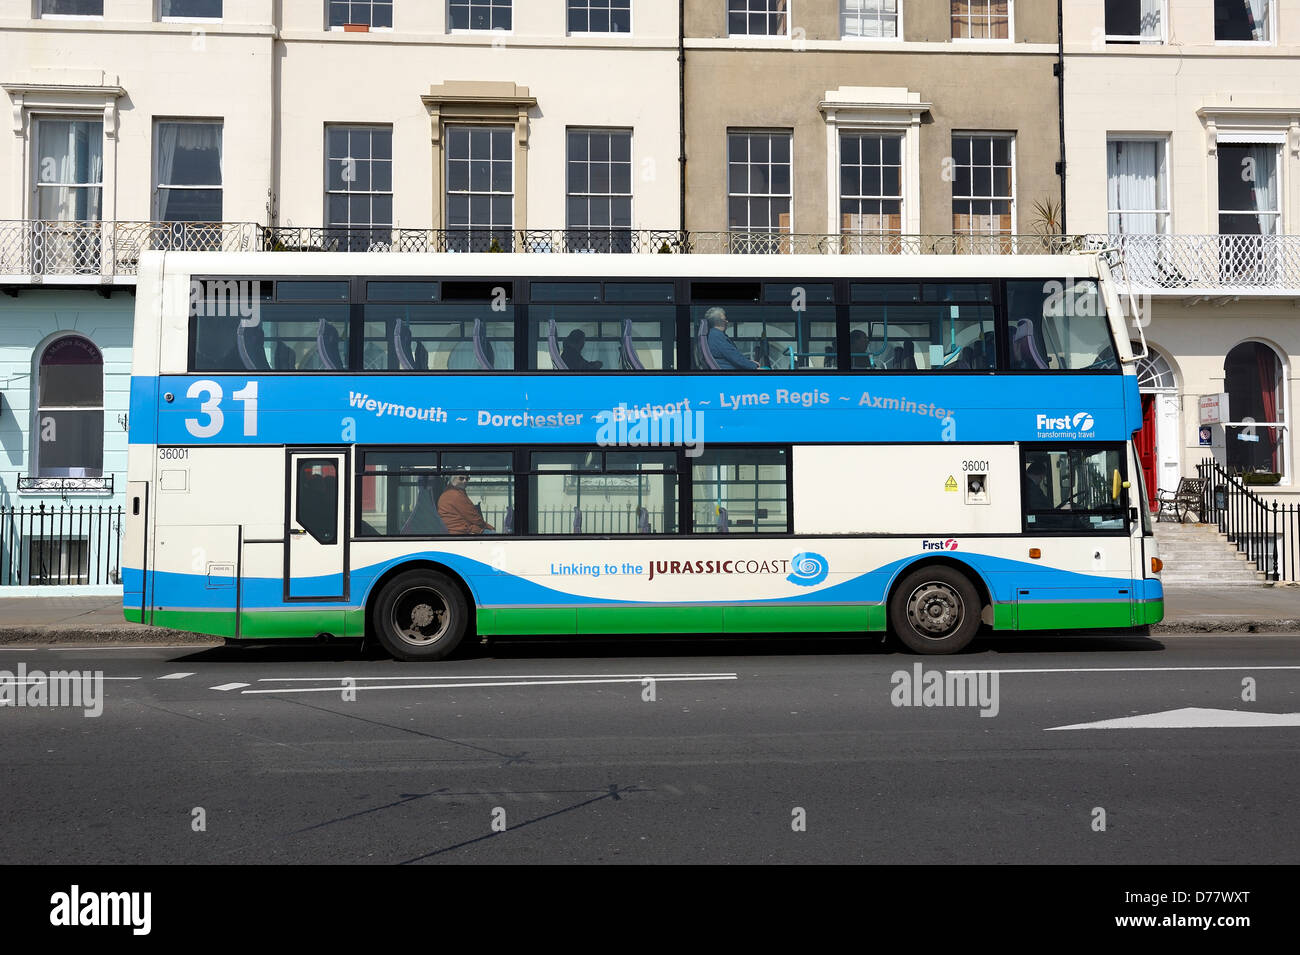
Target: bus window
x: 740, y: 491
x: 406, y: 493
x: 1058, y: 325
x: 280, y: 337
x: 579, y: 336
x: 1071, y: 489
x: 318, y: 499
x: 456, y: 336
x: 930, y: 327
x: 792, y: 336
x: 606, y: 493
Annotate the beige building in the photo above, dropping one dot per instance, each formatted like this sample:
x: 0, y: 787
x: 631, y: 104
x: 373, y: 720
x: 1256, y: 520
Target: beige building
x: 870, y: 116
x: 1183, y: 145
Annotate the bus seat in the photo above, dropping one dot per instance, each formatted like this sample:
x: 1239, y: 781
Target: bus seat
x: 421, y: 357
x: 402, y: 344
x: 1024, y: 347
x: 702, y: 343
x: 252, y: 347
x: 577, y: 519
x: 630, y: 360
x: 643, y: 521
x: 327, y: 347
x: 508, y: 523
x: 424, y: 517
x: 285, y: 359
x: 722, y: 520
x: 553, y: 347
x: 482, y: 347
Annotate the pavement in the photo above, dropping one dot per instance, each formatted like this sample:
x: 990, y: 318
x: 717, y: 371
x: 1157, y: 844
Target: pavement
x: 95, y: 620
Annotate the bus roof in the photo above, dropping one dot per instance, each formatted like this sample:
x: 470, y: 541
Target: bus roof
x: 600, y: 265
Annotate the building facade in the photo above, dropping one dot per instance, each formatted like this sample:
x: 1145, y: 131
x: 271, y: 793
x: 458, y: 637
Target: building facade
x: 1195, y: 178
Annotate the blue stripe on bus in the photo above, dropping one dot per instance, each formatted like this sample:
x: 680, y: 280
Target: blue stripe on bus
x: 496, y: 589
x: 740, y: 408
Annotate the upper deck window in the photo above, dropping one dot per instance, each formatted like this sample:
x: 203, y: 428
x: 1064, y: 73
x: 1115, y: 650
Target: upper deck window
x: 1058, y: 325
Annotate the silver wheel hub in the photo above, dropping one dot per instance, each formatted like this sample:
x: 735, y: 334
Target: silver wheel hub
x: 420, y: 616
x: 935, y: 609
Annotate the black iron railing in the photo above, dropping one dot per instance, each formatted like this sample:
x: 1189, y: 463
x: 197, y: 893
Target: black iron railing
x: 43, y: 544
x: 1268, y: 533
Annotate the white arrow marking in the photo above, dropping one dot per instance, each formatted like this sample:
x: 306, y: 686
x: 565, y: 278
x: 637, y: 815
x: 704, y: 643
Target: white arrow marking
x: 175, y: 676
x: 454, y: 686
x: 499, y: 676
x: 229, y: 686
x: 1189, y: 717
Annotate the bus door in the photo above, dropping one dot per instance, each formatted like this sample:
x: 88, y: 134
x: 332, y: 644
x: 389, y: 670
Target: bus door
x: 315, y: 556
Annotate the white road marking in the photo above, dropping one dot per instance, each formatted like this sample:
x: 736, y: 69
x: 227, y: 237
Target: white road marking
x: 452, y: 686
x: 1189, y: 717
x: 496, y: 676
x: 175, y: 676
x: 1127, y: 669
x: 229, y: 686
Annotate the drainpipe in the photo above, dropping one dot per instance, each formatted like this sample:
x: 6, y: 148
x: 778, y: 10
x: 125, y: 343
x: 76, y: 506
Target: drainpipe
x: 681, y: 115
x: 1060, y: 102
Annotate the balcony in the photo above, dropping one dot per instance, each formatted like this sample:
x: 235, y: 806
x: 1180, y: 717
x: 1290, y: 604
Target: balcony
x: 35, y: 251
x: 43, y: 252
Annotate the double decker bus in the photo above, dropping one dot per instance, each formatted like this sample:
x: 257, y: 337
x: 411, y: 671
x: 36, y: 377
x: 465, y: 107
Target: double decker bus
x: 422, y: 447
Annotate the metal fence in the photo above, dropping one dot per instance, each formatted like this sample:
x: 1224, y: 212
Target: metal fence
x: 49, y: 545
x: 1222, y: 262
x: 559, y: 520
x: 1268, y: 533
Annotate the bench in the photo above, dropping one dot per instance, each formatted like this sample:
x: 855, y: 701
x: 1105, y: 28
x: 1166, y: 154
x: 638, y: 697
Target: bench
x: 1187, y: 497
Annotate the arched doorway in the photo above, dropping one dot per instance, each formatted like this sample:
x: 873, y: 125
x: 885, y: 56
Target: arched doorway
x: 1157, y: 442
x: 1255, y: 383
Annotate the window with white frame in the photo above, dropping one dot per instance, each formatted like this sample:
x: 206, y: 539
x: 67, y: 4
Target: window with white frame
x: 187, y: 172
x: 757, y: 17
x: 981, y: 19
x: 479, y: 14
x: 600, y: 16
x: 480, y: 187
x: 372, y: 13
x: 69, y: 169
x: 1255, y: 381
x: 871, y: 183
x: 758, y: 181
x: 358, y: 186
x: 190, y: 9
x: 1243, y: 20
x: 72, y: 8
x: 869, y: 18
x: 1134, y: 21
x: 1137, y: 186
x: 1249, y: 198
x: 68, y: 439
x: 982, y: 182
x: 599, y: 189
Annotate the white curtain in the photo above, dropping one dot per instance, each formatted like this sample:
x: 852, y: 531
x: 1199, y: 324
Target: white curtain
x: 202, y: 137
x: 1259, y: 17
x: 1149, y: 23
x: 70, y: 168
x: 1264, y: 160
x: 1135, y: 185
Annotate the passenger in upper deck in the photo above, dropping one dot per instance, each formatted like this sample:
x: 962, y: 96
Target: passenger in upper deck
x: 571, y: 354
x: 724, y: 352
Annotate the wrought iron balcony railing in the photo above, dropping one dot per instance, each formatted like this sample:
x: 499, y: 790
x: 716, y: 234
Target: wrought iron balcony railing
x: 32, y: 250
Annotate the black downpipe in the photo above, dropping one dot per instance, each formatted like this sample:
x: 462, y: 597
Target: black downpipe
x: 681, y: 117
x: 1060, y: 101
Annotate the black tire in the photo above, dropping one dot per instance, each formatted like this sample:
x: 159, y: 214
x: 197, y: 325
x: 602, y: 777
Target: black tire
x: 935, y: 609
x: 420, y: 615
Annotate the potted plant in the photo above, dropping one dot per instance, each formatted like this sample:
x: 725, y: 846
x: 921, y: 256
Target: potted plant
x: 1261, y: 478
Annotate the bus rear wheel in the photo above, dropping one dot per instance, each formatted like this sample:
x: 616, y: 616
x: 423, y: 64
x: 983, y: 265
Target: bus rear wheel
x: 420, y: 615
x: 935, y: 610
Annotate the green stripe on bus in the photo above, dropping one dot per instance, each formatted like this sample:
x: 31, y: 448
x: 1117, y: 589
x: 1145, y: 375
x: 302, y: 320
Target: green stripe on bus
x: 265, y: 624
x: 1082, y: 615
x: 709, y: 618
x: 132, y: 615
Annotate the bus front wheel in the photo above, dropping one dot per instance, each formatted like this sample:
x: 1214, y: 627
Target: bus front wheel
x: 935, y: 610
x: 420, y: 615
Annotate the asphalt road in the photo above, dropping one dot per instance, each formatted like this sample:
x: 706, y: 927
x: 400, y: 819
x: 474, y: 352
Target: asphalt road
x: 776, y: 750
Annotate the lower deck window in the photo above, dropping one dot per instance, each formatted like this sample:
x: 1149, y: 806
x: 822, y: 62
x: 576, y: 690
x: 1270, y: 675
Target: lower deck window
x: 740, y: 491
x: 604, y: 492
x: 1073, y: 489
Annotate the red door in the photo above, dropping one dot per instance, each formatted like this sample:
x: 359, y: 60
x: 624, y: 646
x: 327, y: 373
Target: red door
x: 1146, y: 447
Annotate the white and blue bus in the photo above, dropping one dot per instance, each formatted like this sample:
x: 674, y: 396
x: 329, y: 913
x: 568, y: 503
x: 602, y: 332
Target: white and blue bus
x: 423, y: 447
